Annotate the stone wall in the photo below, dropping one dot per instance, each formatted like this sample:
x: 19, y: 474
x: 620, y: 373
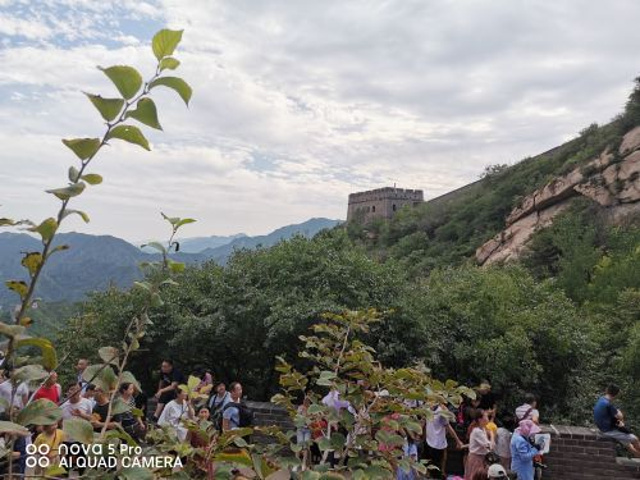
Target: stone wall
x: 381, y: 203
x: 579, y: 453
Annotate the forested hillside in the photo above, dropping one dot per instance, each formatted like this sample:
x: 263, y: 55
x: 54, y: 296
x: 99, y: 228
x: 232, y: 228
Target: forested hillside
x: 560, y: 322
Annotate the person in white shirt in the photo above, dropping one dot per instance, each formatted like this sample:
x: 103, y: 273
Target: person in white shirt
x: 437, y: 429
x: 529, y: 410
x: 76, y: 405
x: 20, y: 395
x: 175, y: 412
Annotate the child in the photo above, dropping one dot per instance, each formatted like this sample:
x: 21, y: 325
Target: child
x: 53, y: 437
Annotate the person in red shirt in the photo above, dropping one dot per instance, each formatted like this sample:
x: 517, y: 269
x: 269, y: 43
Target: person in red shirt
x: 51, y: 389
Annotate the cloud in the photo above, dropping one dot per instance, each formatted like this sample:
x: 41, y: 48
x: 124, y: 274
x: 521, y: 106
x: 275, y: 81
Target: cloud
x: 297, y: 104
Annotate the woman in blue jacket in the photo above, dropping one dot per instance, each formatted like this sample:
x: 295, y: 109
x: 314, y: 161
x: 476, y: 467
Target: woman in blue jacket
x: 522, y: 452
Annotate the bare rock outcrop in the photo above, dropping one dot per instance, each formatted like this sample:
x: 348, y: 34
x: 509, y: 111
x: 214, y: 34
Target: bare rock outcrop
x: 612, y: 180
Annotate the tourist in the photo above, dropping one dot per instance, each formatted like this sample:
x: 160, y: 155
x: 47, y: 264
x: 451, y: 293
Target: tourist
x: 409, y: 451
x: 170, y: 379
x: 175, y: 412
x: 50, y: 389
x: 231, y: 413
x: 487, y: 400
x: 503, y: 441
x: 528, y: 410
x: 204, y: 415
x: 76, y: 405
x: 19, y: 393
x: 52, y: 437
x: 90, y: 394
x: 19, y: 452
x: 133, y: 425
x: 100, y: 414
x: 217, y: 402
x: 522, y: 451
x: 81, y: 366
x: 436, y: 442
x: 479, y: 446
x: 497, y: 471
x: 610, y: 421
x: 303, y: 432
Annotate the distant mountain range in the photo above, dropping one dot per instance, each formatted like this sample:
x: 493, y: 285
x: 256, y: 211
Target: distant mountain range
x: 96, y: 262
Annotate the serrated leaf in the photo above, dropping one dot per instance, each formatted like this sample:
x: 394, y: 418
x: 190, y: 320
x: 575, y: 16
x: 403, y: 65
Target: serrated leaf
x: 73, y: 174
x: 18, y: 286
x: 169, y: 63
x: 109, y: 355
x: 109, y: 108
x: 66, y: 193
x: 181, y: 87
x: 40, y: 412
x: 165, y: 42
x: 146, y: 113
x: 47, y: 350
x: 80, y: 213
x: 78, y: 429
x: 92, y: 178
x: 83, y: 147
x: 126, y: 79
x: 130, y: 134
x: 32, y: 261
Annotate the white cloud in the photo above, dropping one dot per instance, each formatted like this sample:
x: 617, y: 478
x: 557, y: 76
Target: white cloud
x: 296, y: 104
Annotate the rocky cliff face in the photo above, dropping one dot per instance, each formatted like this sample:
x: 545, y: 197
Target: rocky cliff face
x: 612, y: 180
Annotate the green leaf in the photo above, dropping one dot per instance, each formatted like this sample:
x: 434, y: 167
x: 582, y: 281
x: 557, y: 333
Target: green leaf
x: 46, y: 229
x: 119, y: 407
x: 176, y: 267
x: 126, y: 79
x: 181, y: 87
x: 60, y: 248
x: 130, y: 134
x: 92, y: 178
x: 40, y: 412
x: 109, y: 108
x: 128, y: 377
x: 48, y: 351
x: 80, y: 213
x: 169, y: 63
x: 156, y: 246
x: 32, y: 261
x: 11, y: 331
x: 172, y: 220
x: 29, y: 373
x: 83, y: 147
x: 4, y: 222
x: 326, y: 378
x: 73, y: 190
x: 109, y: 355
x: 165, y: 42
x: 78, y: 429
x: 13, y: 429
x: 185, y: 221
x: 103, y: 377
x: 74, y: 174
x: 18, y: 286
x: 146, y: 113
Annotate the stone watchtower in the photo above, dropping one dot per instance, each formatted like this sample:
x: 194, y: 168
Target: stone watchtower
x: 381, y: 203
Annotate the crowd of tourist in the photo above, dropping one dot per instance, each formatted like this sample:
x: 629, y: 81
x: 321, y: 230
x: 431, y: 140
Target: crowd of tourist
x: 493, y: 443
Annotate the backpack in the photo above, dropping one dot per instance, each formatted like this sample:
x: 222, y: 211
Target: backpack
x: 246, y: 414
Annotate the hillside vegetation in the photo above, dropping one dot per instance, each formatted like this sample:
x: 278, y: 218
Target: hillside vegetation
x: 560, y: 323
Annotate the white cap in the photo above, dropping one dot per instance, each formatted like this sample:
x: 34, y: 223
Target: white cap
x: 497, y: 471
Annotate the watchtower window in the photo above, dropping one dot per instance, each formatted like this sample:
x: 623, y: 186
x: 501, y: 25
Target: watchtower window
x: 394, y: 207
x: 373, y: 209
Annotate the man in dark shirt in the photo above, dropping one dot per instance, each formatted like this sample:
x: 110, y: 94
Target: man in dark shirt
x: 487, y: 400
x: 170, y: 378
x: 610, y: 421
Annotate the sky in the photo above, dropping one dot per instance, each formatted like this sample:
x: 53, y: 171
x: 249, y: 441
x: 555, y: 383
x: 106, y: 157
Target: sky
x: 296, y: 104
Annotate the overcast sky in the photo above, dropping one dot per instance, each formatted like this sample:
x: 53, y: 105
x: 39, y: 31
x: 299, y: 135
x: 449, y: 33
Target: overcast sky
x: 298, y: 103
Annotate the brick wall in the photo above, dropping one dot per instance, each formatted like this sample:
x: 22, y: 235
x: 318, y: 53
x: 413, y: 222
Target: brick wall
x: 582, y: 454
